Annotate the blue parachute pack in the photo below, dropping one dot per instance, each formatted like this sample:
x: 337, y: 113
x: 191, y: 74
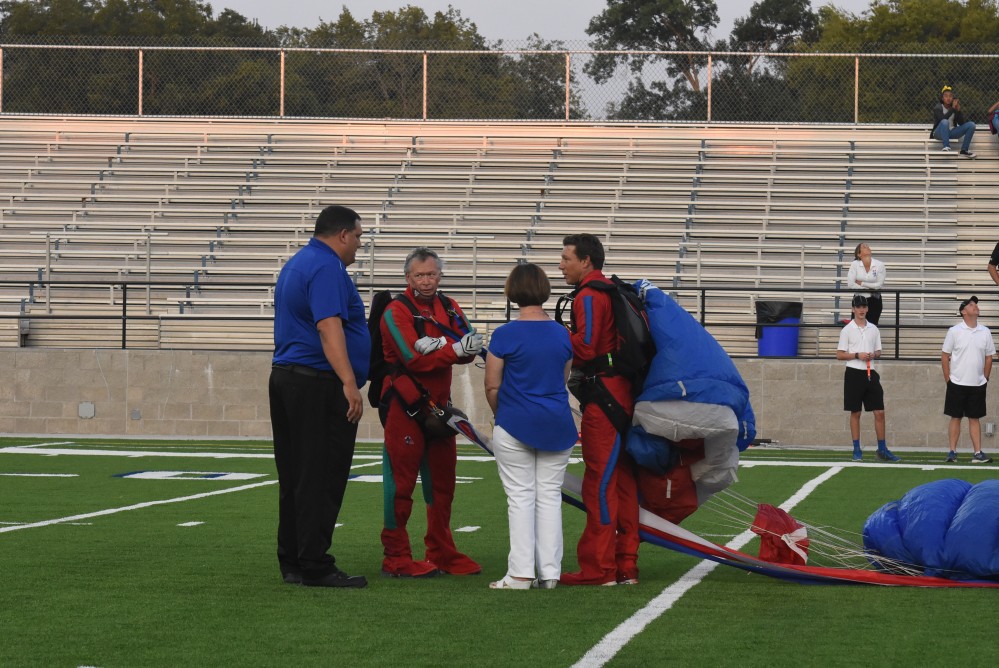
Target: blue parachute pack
x: 689, y: 365
x: 949, y: 527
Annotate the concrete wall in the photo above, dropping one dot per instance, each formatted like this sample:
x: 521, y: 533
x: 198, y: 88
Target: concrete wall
x: 223, y: 395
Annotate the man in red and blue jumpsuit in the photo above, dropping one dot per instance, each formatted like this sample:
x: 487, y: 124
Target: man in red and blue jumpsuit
x: 608, y: 549
x: 409, y: 450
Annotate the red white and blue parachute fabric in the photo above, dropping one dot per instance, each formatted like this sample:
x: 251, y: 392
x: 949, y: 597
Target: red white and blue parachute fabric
x: 949, y: 527
x: 658, y: 531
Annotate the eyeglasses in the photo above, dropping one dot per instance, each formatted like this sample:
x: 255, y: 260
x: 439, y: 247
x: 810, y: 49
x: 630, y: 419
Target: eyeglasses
x: 430, y: 274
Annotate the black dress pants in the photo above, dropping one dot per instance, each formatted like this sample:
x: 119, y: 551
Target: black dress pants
x: 874, y: 308
x: 313, y: 449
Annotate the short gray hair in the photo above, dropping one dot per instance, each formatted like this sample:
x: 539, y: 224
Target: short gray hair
x: 420, y: 255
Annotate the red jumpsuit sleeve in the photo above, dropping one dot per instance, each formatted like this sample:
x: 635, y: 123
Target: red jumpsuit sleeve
x: 594, y: 326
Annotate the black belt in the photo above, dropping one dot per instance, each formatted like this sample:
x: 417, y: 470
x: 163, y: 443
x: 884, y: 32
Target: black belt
x: 305, y: 370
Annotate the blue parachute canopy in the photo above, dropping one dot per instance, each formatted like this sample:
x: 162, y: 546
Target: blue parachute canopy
x: 949, y: 527
x: 690, y: 365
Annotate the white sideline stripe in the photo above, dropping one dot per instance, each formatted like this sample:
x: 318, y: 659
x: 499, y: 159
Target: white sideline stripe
x: 614, y: 642
x: 76, y: 524
x: 39, y: 475
x: 136, y: 506
x: 139, y: 506
x: 821, y: 465
x: 37, y: 450
x: 22, y: 450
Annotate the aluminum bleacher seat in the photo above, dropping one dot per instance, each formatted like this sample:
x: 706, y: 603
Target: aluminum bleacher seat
x: 694, y: 205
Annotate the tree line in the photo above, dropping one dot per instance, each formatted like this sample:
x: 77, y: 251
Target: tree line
x: 664, y: 80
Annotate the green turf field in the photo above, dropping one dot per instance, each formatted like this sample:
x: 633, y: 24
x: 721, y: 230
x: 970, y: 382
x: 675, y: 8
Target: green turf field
x: 171, y: 566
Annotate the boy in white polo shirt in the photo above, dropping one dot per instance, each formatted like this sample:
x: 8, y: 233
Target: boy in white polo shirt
x: 859, y: 344
x: 967, y: 364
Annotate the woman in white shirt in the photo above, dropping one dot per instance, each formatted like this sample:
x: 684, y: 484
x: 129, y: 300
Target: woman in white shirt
x: 866, y: 273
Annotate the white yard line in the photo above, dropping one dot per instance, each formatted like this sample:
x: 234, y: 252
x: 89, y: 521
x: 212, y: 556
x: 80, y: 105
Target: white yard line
x: 136, y: 506
x: 139, y: 506
x: 614, y: 642
x: 39, y: 475
x: 37, y: 450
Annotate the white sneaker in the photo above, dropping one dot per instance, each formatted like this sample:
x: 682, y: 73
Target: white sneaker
x: 946, y: 149
x: 509, y: 582
x: 968, y: 154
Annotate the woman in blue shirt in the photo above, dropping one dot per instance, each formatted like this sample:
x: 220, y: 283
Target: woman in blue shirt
x: 526, y: 371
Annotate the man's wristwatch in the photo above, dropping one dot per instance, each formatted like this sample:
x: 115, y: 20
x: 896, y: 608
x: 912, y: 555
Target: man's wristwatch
x: 856, y: 356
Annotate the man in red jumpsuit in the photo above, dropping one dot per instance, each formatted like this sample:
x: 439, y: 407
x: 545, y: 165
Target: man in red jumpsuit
x: 608, y: 549
x: 422, y: 353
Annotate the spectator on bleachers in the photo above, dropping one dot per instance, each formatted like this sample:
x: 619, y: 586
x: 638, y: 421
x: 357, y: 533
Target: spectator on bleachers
x: 866, y: 273
x: 321, y: 353
x: 859, y: 345
x: 949, y: 123
x: 994, y: 262
x: 526, y: 370
x: 967, y: 356
x: 993, y: 116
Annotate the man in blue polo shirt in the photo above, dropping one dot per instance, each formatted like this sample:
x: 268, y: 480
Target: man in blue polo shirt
x: 321, y: 354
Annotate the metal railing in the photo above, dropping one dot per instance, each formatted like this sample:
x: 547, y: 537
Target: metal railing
x: 902, y: 326
x: 526, y: 84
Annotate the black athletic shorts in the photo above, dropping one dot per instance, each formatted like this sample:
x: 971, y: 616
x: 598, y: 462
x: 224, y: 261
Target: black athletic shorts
x: 859, y: 391
x: 965, y: 400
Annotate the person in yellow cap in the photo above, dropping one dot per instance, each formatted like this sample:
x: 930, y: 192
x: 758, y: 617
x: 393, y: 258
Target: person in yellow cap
x: 949, y: 123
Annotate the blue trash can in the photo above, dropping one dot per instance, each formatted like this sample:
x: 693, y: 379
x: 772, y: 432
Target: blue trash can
x: 777, y: 341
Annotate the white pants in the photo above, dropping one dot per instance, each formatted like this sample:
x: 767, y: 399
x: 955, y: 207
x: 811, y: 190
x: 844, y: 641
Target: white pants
x: 533, y: 483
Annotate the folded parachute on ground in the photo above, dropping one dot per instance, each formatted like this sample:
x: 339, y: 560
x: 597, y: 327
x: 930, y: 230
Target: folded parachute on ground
x: 949, y: 527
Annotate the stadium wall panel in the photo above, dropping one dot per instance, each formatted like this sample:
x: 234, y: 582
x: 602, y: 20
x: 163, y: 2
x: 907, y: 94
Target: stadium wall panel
x: 206, y: 394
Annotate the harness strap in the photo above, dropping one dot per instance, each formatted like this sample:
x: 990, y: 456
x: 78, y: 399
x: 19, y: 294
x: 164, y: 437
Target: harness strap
x: 593, y: 390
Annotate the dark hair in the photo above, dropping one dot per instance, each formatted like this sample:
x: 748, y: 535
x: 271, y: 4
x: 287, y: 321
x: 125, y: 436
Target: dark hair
x: 587, y: 246
x: 856, y: 251
x: 335, y: 219
x: 528, y: 285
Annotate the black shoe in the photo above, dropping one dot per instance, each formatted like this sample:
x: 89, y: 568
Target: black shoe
x: 292, y: 578
x: 337, y: 579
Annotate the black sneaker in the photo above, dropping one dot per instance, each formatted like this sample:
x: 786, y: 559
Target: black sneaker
x: 967, y: 154
x: 951, y: 457
x: 337, y: 579
x: 980, y: 458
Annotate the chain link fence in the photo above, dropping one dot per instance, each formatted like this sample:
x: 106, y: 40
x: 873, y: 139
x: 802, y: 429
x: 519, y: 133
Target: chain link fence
x: 497, y: 84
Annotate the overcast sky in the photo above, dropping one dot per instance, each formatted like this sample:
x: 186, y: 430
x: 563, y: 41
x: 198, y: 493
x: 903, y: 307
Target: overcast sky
x: 511, y: 20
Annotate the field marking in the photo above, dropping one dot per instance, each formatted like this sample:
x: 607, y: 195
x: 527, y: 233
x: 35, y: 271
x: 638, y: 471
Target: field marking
x: 824, y: 464
x: 38, y: 450
x: 135, y: 506
x: 29, y: 450
x: 614, y: 642
x: 39, y: 475
x: 75, y: 524
x: 139, y: 506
